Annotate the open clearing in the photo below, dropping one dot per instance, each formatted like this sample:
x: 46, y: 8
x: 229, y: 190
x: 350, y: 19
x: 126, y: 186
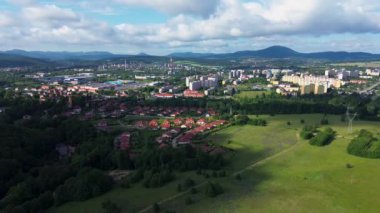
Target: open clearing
x: 305, y: 179
x: 251, y: 94
x: 299, y: 178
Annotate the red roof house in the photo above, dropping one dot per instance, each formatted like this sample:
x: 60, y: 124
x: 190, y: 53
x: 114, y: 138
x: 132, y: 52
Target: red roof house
x: 177, y: 121
x: 125, y: 141
x: 201, y: 122
x: 190, y: 121
x: 165, y: 124
x: 153, y: 124
x: 141, y: 124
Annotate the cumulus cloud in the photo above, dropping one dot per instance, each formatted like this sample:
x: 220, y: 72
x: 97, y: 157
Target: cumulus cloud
x: 197, y: 24
x: 50, y: 14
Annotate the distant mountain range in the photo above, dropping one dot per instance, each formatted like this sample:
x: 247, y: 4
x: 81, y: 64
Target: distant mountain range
x: 282, y: 52
x: 30, y: 58
x: 50, y: 55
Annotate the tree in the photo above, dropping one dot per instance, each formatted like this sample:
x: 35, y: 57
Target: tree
x: 364, y: 145
x: 189, y: 183
x: 156, y: 207
x: 241, y: 119
x: 188, y: 201
x: 238, y: 177
x: 323, y: 138
x: 110, y: 207
x: 213, y: 189
x: 179, y: 187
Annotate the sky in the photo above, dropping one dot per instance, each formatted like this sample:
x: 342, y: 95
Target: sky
x: 164, y: 26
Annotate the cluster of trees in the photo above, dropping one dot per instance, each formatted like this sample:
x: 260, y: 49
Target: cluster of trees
x: 213, y: 189
x: 157, y: 178
x: 31, y: 172
x: 308, y: 132
x: 241, y: 119
x: 258, y: 122
x: 86, y: 184
x: 323, y: 138
x: 364, y: 145
x: 183, y: 158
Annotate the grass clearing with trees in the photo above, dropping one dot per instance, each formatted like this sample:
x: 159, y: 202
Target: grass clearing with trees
x: 305, y: 177
x: 277, y: 173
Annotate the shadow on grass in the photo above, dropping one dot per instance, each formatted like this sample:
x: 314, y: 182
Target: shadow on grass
x: 234, y: 189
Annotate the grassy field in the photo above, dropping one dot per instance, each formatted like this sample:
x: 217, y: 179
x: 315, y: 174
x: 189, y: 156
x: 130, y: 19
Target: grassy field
x: 251, y: 94
x: 280, y: 173
x: 372, y: 64
x: 303, y: 179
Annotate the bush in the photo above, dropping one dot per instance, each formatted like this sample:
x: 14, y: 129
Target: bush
x: 238, y: 177
x: 188, y: 183
x: 158, y: 179
x: 110, y: 207
x: 324, y: 121
x: 213, y: 189
x: 364, y: 145
x: 307, y: 132
x: 258, y: 122
x: 188, y: 201
x: 241, y: 119
x: 179, y: 187
x: 87, y: 184
x: 156, y: 208
x: 323, y: 138
x: 193, y: 191
x: 126, y: 182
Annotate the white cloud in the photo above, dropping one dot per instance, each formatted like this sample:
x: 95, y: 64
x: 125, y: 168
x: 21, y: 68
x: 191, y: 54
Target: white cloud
x: 50, y: 13
x: 234, y: 19
x: 223, y: 25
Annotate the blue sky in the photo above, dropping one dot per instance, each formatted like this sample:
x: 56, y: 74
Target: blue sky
x: 164, y: 26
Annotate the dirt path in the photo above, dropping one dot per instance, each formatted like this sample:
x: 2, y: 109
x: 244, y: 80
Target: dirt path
x: 252, y: 166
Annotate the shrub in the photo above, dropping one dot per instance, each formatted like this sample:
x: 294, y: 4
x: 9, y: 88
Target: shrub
x: 258, y: 122
x: 323, y: 138
x: 238, y: 177
x: 307, y: 132
x: 324, y: 121
x: 188, y: 201
x: 241, y: 119
x: 364, y: 145
x: 188, y: 183
x: 110, y: 207
x: 156, y: 207
x: 213, y: 189
x: 193, y: 191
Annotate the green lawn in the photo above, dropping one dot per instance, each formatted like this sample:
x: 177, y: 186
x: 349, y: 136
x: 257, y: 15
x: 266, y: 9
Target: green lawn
x: 304, y: 179
x: 295, y: 177
x: 251, y: 94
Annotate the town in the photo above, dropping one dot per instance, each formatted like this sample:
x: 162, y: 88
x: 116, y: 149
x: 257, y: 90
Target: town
x: 189, y: 106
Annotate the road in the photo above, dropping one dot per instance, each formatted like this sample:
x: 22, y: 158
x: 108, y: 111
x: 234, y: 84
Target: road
x: 250, y: 167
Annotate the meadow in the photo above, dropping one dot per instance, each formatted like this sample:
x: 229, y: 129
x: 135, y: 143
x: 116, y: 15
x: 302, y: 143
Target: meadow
x: 251, y: 94
x: 280, y: 173
x: 302, y: 178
